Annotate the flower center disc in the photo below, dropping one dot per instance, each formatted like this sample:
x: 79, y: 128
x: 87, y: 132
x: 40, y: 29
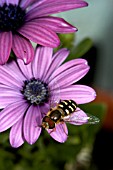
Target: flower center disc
x: 11, y: 17
x: 36, y: 91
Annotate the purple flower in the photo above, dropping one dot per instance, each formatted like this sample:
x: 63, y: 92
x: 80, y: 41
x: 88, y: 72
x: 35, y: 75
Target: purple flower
x: 27, y: 91
x: 22, y: 21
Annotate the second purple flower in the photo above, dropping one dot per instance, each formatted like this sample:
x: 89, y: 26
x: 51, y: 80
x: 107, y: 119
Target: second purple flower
x: 22, y: 21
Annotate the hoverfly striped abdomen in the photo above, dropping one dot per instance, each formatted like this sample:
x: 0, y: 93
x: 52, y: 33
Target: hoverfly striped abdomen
x: 68, y: 106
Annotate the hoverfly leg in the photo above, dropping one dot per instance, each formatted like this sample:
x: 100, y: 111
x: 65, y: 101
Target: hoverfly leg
x: 77, y: 110
x: 51, y: 109
x: 40, y: 126
x: 59, y: 101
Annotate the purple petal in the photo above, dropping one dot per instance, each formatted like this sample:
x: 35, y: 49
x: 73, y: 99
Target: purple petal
x: 39, y: 34
x: 10, y: 77
x: 44, y: 109
x: 35, y: 5
x: 32, y: 124
x: 52, y: 7
x: 60, y: 133
x: 41, y: 62
x: 23, y: 48
x: 25, y: 3
x: 7, y: 100
x: 68, y: 65
x: 14, y: 2
x: 2, y: 2
x: 9, y: 95
x: 7, y: 89
x: 57, y: 60
x: 70, y: 74
x: 77, y: 118
x: 56, y: 24
x: 25, y: 69
x: 79, y: 93
x: 16, y: 138
x: 5, y: 46
x: 11, y: 114
x: 14, y: 68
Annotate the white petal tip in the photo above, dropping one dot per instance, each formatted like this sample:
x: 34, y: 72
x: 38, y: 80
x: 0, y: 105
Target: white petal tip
x: 94, y: 94
x: 86, y: 63
x: 31, y: 143
x: 25, y: 61
x: 16, y: 145
x: 63, y: 141
x: 75, y: 29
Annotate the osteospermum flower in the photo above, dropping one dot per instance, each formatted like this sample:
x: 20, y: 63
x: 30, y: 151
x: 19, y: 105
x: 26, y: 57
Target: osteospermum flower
x: 25, y: 20
x: 27, y: 92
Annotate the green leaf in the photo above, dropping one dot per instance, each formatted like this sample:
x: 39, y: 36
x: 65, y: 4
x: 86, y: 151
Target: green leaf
x: 67, y: 41
x: 82, y: 48
x: 79, y: 50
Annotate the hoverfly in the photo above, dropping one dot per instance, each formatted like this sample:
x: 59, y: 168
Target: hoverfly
x: 64, y: 112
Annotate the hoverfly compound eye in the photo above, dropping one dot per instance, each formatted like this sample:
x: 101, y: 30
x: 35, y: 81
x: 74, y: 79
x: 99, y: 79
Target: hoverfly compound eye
x: 48, y: 123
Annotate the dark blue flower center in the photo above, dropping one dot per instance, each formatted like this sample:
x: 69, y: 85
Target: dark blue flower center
x: 11, y: 17
x: 35, y: 91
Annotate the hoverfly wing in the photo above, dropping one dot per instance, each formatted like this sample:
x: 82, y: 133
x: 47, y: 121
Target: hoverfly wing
x: 82, y: 118
x: 92, y: 119
x: 76, y: 120
x: 53, y: 102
